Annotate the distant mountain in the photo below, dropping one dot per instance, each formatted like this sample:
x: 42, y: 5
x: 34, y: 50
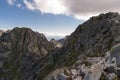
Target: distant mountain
x: 62, y: 41
x: 56, y: 43
x: 1, y: 31
x: 55, y: 37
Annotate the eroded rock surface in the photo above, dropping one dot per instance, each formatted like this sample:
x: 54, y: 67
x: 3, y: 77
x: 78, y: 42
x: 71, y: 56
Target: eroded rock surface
x: 21, y: 51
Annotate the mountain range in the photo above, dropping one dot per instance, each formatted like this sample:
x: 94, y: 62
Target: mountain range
x: 28, y: 55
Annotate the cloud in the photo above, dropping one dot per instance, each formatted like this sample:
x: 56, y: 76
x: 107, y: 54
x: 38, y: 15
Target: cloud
x: 54, y: 34
x: 11, y: 2
x: 46, y: 6
x: 19, y: 5
x: 29, y: 5
x: 79, y: 9
x: 87, y: 8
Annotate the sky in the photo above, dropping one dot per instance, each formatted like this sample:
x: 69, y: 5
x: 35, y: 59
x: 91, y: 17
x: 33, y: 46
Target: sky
x: 54, y: 18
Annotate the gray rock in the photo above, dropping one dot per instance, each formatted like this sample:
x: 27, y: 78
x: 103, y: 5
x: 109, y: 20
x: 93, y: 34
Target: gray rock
x: 62, y: 41
x: 111, y: 76
x: 56, y: 43
x: 78, y: 78
x: 1, y: 31
x: 95, y: 72
x: 62, y: 77
x: 73, y: 72
x: 115, y: 52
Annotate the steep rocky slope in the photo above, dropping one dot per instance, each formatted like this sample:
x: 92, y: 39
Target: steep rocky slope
x: 21, y: 54
x: 91, y: 39
x: 94, y: 37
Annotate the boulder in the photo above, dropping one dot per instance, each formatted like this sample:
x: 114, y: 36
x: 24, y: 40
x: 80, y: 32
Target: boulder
x: 78, y: 78
x: 62, y: 77
x: 115, y: 52
x: 56, y: 43
x: 73, y: 72
x: 95, y: 72
x: 111, y: 76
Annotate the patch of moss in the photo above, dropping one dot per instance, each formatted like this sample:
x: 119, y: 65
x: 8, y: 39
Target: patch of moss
x: 47, y: 69
x: 103, y: 77
x: 116, y: 78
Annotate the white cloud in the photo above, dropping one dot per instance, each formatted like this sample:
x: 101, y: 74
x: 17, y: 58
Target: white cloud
x: 80, y: 9
x: 87, y: 8
x: 29, y: 5
x: 19, y: 5
x: 46, y: 6
x: 54, y: 34
x: 11, y: 2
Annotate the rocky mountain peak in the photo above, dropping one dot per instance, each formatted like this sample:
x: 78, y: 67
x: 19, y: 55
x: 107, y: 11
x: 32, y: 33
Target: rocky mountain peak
x: 27, y: 40
x: 109, y: 15
x: 96, y: 35
x: 21, y: 49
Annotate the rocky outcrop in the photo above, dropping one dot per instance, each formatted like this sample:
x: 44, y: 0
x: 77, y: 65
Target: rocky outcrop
x: 92, y: 72
x: 91, y: 39
x: 1, y: 31
x: 21, y: 54
x: 56, y: 43
x: 115, y: 52
x: 62, y: 41
x: 25, y: 39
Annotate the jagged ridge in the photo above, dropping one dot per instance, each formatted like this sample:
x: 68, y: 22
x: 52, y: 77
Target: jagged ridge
x: 27, y: 55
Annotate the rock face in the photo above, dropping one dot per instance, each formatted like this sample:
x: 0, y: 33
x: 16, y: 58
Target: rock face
x: 94, y: 37
x: 91, y: 39
x: 21, y: 51
x: 56, y: 43
x: 115, y: 52
x: 1, y: 31
x: 25, y: 39
x: 62, y: 41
